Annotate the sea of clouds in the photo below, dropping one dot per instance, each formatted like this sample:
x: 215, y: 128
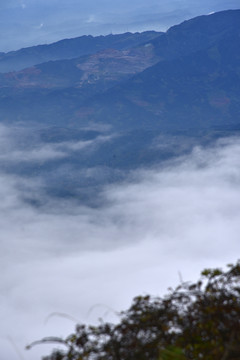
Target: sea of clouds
x: 150, y: 230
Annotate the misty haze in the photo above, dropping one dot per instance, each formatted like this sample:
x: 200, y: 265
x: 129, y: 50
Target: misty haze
x: 119, y: 163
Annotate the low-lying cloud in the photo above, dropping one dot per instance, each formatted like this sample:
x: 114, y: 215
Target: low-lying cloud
x: 14, y: 149
x: 65, y: 257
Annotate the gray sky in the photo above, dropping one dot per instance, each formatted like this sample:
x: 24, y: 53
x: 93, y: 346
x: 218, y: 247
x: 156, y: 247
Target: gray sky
x: 88, y: 262
x: 30, y: 22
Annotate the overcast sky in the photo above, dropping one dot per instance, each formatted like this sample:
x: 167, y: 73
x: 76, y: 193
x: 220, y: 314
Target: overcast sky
x: 89, y: 262
x: 30, y: 22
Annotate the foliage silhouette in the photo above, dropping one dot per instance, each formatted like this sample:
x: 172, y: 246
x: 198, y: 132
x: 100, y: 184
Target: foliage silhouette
x: 194, y: 321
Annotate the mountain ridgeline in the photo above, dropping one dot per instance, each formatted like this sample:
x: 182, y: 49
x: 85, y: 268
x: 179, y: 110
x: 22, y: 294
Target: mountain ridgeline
x: 70, y: 48
x: 144, y: 97
x: 186, y: 77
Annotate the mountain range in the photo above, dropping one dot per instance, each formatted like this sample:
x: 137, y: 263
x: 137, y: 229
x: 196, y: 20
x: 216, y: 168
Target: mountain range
x: 140, y: 98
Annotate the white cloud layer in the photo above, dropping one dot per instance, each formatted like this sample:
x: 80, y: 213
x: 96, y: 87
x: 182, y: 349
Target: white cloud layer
x: 66, y: 258
x: 13, y: 149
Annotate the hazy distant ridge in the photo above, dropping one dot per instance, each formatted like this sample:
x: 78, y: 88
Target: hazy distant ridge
x: 70, y: 48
